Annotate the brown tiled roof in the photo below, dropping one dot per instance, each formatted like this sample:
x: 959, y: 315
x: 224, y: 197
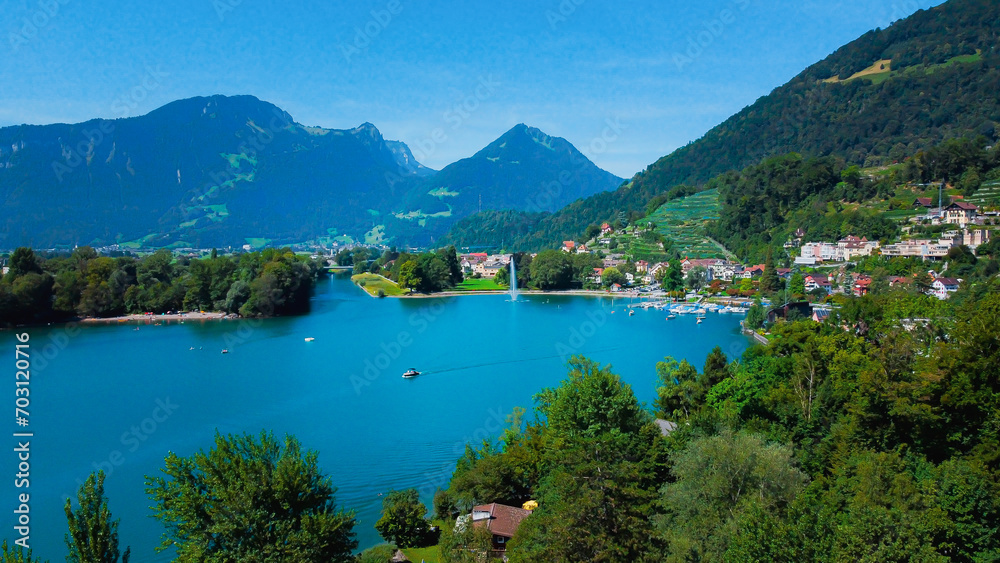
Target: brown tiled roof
x: 925, y: 201
x: 963, y: 205
x: 504, y: 520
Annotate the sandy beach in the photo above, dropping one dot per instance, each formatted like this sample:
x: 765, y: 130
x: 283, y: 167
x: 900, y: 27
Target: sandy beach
x: 195, y: 316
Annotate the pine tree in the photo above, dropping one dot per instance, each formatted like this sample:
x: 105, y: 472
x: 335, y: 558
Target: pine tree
x: 769, y: 281
x: 93, y: 536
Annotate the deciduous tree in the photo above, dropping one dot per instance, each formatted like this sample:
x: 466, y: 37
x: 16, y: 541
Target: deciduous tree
x: 251, y: 499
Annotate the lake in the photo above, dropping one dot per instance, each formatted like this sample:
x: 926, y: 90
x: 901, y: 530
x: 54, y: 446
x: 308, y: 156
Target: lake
x: 117, y: 398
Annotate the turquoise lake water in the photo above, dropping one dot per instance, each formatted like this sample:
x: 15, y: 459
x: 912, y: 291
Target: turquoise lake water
x: 117, y: 398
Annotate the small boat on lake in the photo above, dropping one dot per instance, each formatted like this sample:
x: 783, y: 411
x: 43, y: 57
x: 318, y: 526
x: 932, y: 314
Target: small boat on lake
x: 310, y: 339
x: 225, y: 350
x: 410, y: 373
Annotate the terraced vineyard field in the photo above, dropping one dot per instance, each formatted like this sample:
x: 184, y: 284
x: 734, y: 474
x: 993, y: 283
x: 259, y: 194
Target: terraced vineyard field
x: 986, y: 196
x: 683, y: 221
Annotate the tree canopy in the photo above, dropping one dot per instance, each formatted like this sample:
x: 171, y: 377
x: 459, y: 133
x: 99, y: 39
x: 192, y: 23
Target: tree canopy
x: 251, y: 499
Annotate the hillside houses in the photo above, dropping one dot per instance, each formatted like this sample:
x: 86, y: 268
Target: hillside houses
x: 930, y: 250
x: 843, y: 250
x: 715, y: 268
x: 483, y: 264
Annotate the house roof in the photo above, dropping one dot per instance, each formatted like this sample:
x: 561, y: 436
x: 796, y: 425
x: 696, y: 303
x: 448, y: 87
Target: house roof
x: 666, y: 427
x: 925, y: 202
x: 947, y: 281
x: 963, y: 205
x: 504, y: 520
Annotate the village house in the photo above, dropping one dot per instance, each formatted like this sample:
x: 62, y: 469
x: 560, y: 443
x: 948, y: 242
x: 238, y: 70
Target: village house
x: 476, y: 257
x: 802, y: 310
x: 569, y: 246
x: 817, y: 281
x: 490, y: 265
x: 753, y: 272
x: 817, y: 252
x: 896, y: 281
x: 960, y: 213
x: 943, y: 287
x: 642, y: 267
x: 975, y: 237
x: 708, y: 264
x: 606, y: 229
x: 862, y: 285
x: 843, y: 250
x: 501, y: 520
x: 923, y: 203
x: 921, y: 248
x: 854, y: 247
x: 597, y: 276
x: 655, y: 269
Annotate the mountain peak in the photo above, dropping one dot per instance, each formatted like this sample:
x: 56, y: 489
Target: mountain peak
x: 368, y: 131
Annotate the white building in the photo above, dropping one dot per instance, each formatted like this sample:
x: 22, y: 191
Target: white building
x: 942, y: 288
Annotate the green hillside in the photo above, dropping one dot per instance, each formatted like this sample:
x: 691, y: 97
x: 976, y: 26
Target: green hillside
x: 683, y: 222
x: 943, y: 79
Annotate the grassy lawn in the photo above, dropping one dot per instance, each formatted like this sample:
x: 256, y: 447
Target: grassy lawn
x: 484, y: 284
x: 373, y: 283
x: 427, y: 554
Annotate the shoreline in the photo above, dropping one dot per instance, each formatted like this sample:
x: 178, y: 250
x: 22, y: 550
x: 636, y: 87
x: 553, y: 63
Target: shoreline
x: 154, y: 318
x: 527, y: 292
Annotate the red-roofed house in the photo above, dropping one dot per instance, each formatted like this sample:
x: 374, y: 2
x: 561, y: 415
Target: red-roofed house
x: 477, y: 257
x: 862, y: 285
x: 923, y: 203
x: 606, y: 229
x: 942, y: 287
x: 897, y: 280
x: 569, y: 246
x: 816, y: 281
x: 501, y: 520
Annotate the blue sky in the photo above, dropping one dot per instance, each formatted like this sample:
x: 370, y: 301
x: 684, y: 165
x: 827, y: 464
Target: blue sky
x: 620, y: 80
